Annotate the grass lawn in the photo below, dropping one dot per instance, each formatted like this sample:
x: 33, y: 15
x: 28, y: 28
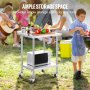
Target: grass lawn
x: 84, y: 1
x: 10, y: 67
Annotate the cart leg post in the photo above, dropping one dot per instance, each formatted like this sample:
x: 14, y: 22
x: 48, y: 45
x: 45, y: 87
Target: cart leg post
x: 21, y: 72
x: 32, y: 79
x: 56, y: 75
x: 44, y: 44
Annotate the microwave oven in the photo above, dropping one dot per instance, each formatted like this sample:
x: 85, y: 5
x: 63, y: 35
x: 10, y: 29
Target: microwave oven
x: 39, y: 58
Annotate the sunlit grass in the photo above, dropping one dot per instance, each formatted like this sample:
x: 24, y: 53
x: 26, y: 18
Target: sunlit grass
x: 10, y: 66
x: 84, y: 1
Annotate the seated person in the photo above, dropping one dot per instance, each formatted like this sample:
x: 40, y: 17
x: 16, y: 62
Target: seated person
x: 3, y: 20
x: 22, y: 16
x: 8, y: 19
x: 2, y: 36
x: 58, y: 27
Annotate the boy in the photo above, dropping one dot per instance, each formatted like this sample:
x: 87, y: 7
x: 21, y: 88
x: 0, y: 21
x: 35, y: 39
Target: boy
x: 77, y: 28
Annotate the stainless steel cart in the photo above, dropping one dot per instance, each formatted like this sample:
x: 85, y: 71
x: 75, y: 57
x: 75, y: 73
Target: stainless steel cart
x: 32, y: 68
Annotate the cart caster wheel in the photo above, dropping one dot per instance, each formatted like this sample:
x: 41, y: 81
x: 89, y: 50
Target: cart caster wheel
x: 32, y: 80
x: 55, y: 75
x: 20, y: 76
x: 43, y: 71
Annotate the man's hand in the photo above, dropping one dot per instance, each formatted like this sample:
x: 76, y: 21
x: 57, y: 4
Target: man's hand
x: 47, y: 26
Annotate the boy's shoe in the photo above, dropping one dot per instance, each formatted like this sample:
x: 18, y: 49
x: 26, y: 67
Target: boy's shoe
x: 77, y: 75
x: 16, y: 45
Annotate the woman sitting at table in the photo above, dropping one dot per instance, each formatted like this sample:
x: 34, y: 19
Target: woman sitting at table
x: 57, y: 27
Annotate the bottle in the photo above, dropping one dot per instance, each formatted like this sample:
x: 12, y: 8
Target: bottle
x: 32, y: 28
x: 28, y: 31
x: 23, y: 29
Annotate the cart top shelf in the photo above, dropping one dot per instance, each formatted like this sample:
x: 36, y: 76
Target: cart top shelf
x: 38, y: 35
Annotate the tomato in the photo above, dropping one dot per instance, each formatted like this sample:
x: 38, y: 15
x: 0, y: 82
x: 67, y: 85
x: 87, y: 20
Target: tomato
x: 38, y: 31
x: 47, y: 30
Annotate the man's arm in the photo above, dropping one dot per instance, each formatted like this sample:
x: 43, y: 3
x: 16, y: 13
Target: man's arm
x: 57, y: 26
x: 6, y: 18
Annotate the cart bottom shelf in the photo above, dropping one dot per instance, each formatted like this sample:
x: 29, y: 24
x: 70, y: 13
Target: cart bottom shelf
x: 51, y: 64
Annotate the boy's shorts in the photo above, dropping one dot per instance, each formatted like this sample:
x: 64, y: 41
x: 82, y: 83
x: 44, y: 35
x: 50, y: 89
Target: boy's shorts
x: 78, y: 58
